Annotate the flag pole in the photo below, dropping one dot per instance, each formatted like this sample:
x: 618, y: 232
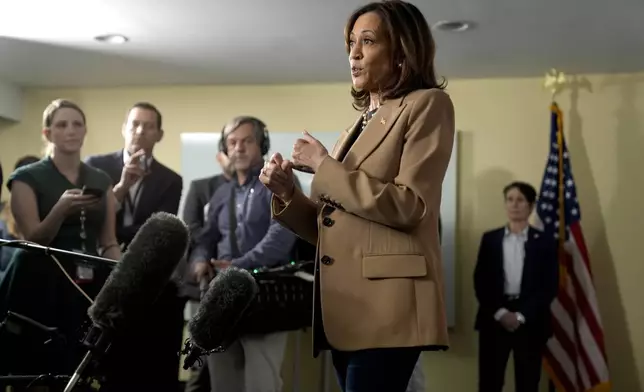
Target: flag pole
x: 551, y: 386
x: 556, y: 81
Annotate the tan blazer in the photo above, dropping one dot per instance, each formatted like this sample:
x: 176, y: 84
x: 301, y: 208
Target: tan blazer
x: 374, y: 219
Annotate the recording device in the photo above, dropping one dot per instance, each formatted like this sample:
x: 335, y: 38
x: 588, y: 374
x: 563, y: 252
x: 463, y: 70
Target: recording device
x: 134, y: 284
x: 92, y: 191
x: 213, y: 327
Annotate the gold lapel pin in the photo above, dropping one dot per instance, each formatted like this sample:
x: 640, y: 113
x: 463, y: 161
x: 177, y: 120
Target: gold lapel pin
x: 382, y: 121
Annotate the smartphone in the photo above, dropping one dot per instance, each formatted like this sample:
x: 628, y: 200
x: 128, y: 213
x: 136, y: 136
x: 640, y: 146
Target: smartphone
x: 93, y: 192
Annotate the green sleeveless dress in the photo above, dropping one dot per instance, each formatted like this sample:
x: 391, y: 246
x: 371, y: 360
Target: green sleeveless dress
x: 34, y: 285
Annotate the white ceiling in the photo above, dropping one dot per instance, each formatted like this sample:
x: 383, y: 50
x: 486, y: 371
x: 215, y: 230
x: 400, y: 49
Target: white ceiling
x: 50, y: 43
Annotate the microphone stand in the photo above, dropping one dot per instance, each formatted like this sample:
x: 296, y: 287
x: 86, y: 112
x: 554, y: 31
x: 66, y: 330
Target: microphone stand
x: 26, y: 245
x: 193, y: 352
x: 16, y: 321
x: 12, y: 318
x: 98, y: 341
x: 31, y: 380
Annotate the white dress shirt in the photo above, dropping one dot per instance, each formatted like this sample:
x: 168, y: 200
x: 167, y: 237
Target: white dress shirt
x: 513, y: 259
x: 134, y: 193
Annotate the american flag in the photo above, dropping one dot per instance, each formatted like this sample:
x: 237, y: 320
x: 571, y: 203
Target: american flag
x: 575, y: 358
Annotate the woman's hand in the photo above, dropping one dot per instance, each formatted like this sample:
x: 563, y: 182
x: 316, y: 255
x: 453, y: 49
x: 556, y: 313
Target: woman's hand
x: 309, y: 152
x: 277, y: 176
x: 73, y: 200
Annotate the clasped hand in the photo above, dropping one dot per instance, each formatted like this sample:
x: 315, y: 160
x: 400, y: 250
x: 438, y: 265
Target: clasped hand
x: 510, y: 321
x: 277, y: 173
x: 308, y: 152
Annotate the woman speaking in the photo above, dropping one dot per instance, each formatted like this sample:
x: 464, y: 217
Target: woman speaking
x: 374, y: 205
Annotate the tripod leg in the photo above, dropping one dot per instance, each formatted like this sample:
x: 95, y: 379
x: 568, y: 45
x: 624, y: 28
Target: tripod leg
x: 79, y: 372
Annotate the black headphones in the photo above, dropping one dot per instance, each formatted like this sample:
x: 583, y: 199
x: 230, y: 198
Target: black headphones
x: 258, y: 126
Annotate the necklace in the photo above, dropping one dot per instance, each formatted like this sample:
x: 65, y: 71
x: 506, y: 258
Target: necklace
x: 83, y: 234
x: 368, y: 115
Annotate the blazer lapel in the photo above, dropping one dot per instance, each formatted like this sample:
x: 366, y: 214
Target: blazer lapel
x: 528, y: 260
x: 209, y: 190
x: 341, y: 146
x: 117, y: 167
x: 376, y: 130
x: 498, y: 252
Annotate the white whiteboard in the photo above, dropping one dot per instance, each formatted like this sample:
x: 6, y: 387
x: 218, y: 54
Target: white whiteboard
x: 198, y: 152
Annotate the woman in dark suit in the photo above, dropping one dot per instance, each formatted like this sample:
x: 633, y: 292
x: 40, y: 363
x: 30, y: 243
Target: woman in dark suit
x: 515, y: 281
x: 374, y: 205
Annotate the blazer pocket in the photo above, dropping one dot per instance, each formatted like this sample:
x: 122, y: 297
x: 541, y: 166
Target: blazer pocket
x: 394, y: 266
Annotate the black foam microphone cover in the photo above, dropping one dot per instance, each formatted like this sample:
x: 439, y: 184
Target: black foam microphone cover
x: 143, y: 272
x: 223, y: 305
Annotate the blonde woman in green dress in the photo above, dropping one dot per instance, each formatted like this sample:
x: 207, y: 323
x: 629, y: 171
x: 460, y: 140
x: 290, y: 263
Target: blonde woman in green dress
x: 51, y: 209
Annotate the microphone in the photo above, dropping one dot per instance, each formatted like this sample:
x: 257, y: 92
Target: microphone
x: 212, y: 327
x: 134, y: 284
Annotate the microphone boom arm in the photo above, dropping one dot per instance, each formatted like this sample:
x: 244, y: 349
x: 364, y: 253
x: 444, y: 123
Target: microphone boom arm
x: 26, y: 245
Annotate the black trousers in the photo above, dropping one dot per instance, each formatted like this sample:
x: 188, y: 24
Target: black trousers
x: 375, y: 370
x: 495, y: 346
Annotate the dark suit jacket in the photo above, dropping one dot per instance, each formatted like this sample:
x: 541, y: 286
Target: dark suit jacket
x: 199, y: 194
x: 538, y: 286
x: 161, y: 191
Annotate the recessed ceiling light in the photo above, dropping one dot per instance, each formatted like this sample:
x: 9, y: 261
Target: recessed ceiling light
x: 454, y: 26
x: 115, y: 39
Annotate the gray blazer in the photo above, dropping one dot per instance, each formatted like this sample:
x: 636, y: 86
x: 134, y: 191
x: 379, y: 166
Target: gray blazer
x: 198, y: 196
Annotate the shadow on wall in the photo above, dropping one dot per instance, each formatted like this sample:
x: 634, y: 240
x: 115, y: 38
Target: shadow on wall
x: 625, y: 209
x: 490, y: 185
x: 480, y: 201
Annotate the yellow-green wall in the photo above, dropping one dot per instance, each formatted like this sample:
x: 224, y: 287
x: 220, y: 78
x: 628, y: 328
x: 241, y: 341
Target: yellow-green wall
x: 505, y: 136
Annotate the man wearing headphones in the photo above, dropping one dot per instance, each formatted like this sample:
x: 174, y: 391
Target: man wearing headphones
x: 240, y: 232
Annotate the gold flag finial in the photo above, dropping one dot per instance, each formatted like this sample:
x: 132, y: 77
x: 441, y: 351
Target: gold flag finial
x: 555, y: 81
